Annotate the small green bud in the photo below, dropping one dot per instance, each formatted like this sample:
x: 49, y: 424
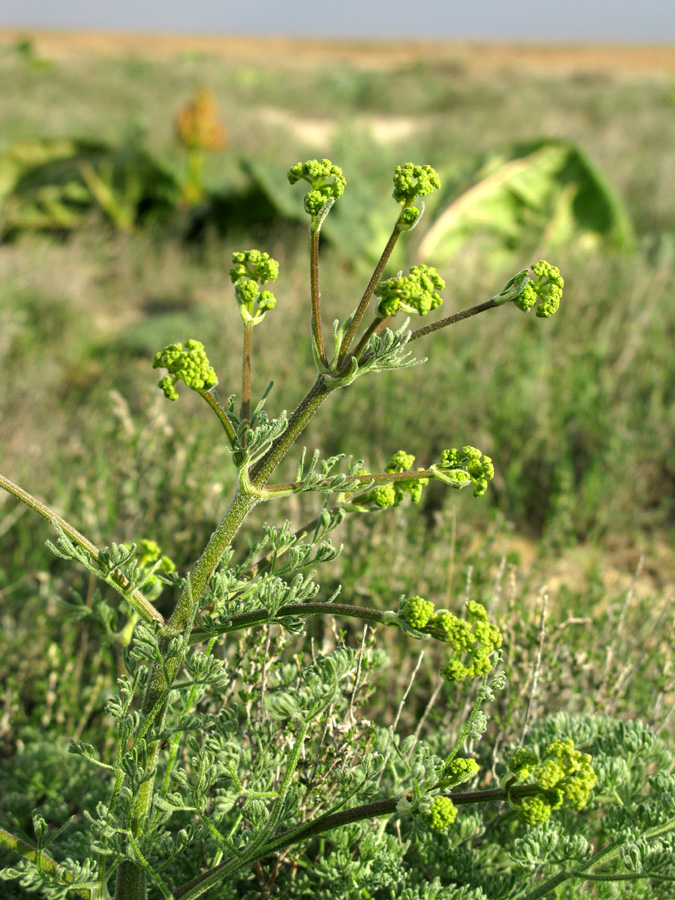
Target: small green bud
x: 535, y: 810
x: 418, y: 611
x: 523, y: 763
x: 411, y: 181
x: 468, y: 464
x: 459, y: 770
x: 252, y: 268
x: 442, y: 813
x: 546, y: 289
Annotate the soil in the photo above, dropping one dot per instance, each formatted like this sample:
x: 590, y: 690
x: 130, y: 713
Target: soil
x: 470, y: 57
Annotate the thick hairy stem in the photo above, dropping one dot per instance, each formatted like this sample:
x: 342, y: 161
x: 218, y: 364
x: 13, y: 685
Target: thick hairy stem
x: 368, y: 293
x: 135, y: 598
x: 131, y: 879
x: 259, y: 616
x: 299, y: 419
x: 376, y: 809
x: 48, y: 865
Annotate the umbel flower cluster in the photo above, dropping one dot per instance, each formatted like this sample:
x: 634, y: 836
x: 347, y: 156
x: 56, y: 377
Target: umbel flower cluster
x: 221, y: 783
x: 563, y: 774
x: 474, y: 638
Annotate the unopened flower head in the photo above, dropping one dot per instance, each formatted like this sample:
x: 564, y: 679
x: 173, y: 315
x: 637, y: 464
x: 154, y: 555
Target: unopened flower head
x: 250, y: 269
x: 417, y: 611
x: 189, y: 365
x: 411, y: 181
x: 416, y: 292
x: 474, y: 639
x: 441, y: 814
x: 325, y: 179
x: 545, y: 288
x: 467, y: 465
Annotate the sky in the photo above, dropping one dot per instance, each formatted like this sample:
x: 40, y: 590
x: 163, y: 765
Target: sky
x: 650, y: 21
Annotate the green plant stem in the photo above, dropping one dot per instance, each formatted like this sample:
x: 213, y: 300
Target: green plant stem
x: 317, y: 327
x: 368, y: 293
x: 376, y: 809
x: 175, y: 740
x: 383, y: 478
x: 50, y: 866
x: 246, y: 373
x: 135, y: 598
x: 298, y: 420
x: 131, y: 879
x: 261, y: 616
x: 375, y: 327
x: 222, y: 415
x: 450, y: 320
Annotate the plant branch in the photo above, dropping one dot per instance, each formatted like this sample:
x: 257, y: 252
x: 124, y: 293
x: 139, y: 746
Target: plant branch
x: 368, y: 293
x: 246, y: 373
x: 317, y: 327
x: 298, y: 420
x: 450, y: 320
x: 356, y: 480
x: 117, y: 580
x: 261, y: 616
x: 49, y: 865
x: 375, y: 809
x: 222, y: 415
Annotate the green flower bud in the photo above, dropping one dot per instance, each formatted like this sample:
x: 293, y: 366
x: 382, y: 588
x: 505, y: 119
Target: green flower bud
x: 523, y: 763
x: 535, y: 810
x: 411, y: 181
x: 460, y: 769
x: 467, y: 464
x: 189, y: 365
x: 442, y: 813
x: 251, y: 269
x: 416, y: 292
x: 325, y: 179
x: 418, y: 611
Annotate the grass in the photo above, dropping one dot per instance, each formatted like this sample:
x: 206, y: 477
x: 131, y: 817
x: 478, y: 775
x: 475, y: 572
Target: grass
x: 578, y: 412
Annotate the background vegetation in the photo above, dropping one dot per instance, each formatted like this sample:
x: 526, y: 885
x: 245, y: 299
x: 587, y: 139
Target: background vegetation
x: 578, y: 413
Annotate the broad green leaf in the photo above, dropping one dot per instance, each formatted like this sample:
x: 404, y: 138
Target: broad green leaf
x: 537, y: 196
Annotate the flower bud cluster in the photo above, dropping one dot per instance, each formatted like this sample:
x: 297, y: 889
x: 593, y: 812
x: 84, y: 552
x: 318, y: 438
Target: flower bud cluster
x: 416, y: 292
x: 442, y: 812
x: 411, y: 181
x: 189, y: 365
x: 317, y: 174
x: 547, y: 289
x: 392, y: 494
x: 473, y: 638
x: 250, y: 269
x: 467, y: 465
x: 563, y: 775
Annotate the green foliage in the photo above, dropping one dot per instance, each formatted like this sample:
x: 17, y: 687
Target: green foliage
x: 545, y: 194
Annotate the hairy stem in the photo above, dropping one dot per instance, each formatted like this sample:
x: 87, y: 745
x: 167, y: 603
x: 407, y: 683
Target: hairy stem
x: 450, y: 320
x: 135, y: 598
x: 298, y: 420
x: 260, y: 616
x: 317, y: 327
x: 356, y: 480
x: 222, y: 415
x: 368, y: 293
x: 246, y: 373
x: 376, y: 809
x: 47, y: 864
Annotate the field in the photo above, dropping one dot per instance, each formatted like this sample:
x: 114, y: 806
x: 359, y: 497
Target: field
x: 573, y: 544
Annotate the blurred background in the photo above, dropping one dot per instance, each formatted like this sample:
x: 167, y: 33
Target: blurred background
x: 141, y: 144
